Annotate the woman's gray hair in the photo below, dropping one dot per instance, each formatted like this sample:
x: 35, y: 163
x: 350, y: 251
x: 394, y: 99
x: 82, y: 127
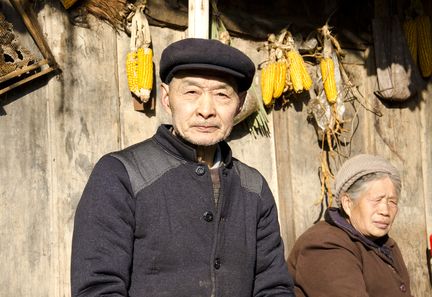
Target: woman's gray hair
x: 361, y: 166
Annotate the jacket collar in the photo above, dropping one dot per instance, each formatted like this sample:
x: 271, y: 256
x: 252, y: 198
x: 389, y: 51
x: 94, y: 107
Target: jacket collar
x: 184, y: 150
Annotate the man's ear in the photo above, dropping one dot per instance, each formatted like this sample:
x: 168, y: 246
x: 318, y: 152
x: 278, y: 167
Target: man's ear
x: 164, y: 88
x: 242, y: 99
x: 346, y: 204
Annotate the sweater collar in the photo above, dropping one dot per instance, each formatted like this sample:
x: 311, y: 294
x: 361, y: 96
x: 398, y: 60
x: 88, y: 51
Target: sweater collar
x: 184, y: 150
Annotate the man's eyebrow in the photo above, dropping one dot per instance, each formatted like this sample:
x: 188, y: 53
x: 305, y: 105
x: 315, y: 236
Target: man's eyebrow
x: 218, y: 85
x: 187, y: 80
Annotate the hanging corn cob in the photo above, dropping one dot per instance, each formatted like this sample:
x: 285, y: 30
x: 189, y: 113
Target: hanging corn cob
x: 280, y: 74
x: 139, y: 64
x: 268, y: 78
x: 300, y: 79
x: 273, y: 77
x: 294, y: 60
x: 280, y: 78
x: 410, y: 31
x: 327, y: 69
x: 417, y: 30
x: 424, y: 38
x: 306, y: 79
x: 328, y: 77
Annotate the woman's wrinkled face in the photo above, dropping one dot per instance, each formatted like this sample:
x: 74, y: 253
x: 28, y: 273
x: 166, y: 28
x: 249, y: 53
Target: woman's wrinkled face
x: 202, y: 107
x: 373, y: 213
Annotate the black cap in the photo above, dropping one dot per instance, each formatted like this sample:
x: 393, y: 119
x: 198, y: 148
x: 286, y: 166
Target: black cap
x: 206, y: 54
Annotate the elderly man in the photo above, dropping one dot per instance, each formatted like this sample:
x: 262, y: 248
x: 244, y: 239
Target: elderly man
x: 176, y: 215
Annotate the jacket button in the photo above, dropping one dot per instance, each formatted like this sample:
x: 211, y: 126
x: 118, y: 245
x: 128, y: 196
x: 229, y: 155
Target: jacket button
x: 217, y: 263
x: 208, y: 216
x: 403, y: 288
x: 200, y: 170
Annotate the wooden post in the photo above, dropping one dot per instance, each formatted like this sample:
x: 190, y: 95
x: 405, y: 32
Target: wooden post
x: 198, y: 19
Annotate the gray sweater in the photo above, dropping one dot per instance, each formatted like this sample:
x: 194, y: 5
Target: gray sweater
x: 146, y: 225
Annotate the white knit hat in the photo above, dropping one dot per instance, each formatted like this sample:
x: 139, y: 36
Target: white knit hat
x: 358, y: 166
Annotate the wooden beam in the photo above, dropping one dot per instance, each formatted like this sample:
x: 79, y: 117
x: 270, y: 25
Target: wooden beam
x: 27, y: 79
x: 198, y: 19
x: 21, y: 71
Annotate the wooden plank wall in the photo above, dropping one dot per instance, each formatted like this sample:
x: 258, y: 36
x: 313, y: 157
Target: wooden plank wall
x: 52, y: 135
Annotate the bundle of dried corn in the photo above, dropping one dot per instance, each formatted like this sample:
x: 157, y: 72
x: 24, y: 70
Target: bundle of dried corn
x: 284, y: 73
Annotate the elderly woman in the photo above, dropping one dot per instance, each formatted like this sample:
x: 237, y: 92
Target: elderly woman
x: 350, y: 252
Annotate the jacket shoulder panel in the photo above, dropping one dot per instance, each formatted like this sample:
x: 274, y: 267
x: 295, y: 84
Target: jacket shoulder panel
x: 250, y: 178
x: 326, y: 235
x: 145, y: 162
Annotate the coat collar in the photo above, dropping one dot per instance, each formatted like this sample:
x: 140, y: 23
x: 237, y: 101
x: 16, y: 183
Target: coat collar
x: 184, y: 150
x: 383, y: 246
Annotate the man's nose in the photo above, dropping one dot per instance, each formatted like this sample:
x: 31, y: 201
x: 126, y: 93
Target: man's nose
x: 206, y: 106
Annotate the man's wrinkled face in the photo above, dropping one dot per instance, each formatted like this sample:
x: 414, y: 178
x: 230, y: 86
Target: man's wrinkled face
x: 202, y: 107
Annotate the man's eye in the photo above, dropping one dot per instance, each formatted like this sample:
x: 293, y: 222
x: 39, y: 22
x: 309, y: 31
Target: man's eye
x: 220, y: 94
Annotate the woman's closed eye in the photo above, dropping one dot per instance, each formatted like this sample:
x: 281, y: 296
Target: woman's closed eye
x: 387, y: 200
x: 393, y: 201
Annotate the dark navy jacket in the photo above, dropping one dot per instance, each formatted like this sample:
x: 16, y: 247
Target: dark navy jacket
x: 146, y: 225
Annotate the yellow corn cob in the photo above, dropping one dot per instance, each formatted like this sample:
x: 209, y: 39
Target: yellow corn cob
x: 139, y: 69
x: 306, y: 79
x: 145, y: 68
x: 328, y: 77
x: 424, y: 37
x: 132, y: 71
x: 295, y: 68
x: 268, y: 75
x: 280, y: 77
x: 410, y: 30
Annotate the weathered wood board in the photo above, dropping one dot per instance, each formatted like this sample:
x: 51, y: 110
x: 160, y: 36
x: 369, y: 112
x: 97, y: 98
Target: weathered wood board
x: 52, y: 133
